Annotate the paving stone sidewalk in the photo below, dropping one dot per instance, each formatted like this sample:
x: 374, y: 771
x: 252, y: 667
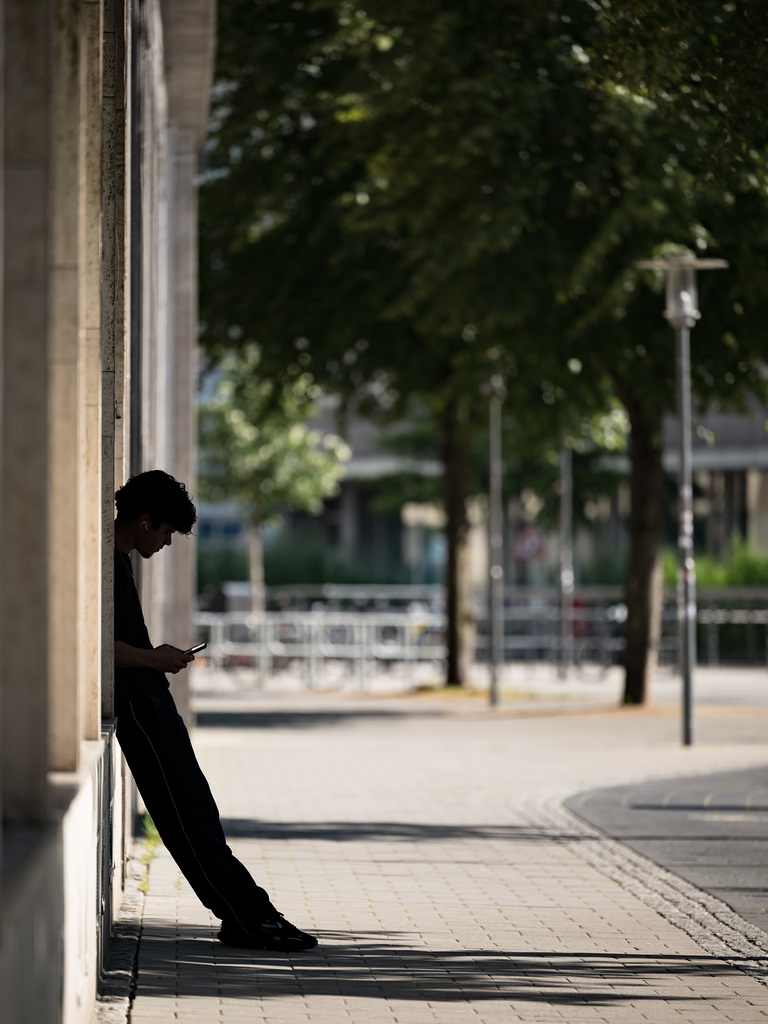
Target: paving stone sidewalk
x: 402, y: 833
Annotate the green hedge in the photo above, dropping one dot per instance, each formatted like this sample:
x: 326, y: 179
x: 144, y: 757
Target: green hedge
x: 741, y: 566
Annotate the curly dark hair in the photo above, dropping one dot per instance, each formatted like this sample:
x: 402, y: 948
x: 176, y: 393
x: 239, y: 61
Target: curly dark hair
x: 161, y: 497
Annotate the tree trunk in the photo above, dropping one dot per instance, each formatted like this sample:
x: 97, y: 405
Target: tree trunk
x: 644, y: 586
x: 460, y: 621
x: 256, y: 567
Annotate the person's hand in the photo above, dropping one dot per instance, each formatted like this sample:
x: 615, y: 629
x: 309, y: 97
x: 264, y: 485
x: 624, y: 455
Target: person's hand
x: 170, y: 659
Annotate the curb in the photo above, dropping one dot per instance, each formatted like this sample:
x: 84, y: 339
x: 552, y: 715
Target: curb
x: 118, y: 976
x: 707, y: 920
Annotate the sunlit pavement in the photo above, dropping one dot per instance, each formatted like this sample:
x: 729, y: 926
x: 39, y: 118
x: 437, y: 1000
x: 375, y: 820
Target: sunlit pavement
x: 419, y: 838
x: 590, y: 685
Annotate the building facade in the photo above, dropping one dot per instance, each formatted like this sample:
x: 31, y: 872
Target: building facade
x: 103, y: 111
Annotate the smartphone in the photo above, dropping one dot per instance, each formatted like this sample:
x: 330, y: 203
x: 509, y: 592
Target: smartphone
x: 196, y: 648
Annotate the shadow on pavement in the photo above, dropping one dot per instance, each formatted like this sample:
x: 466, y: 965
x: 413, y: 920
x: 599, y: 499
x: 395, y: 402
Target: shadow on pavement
x: 289, y: 719
x: 709, y: 809
x: 381, y: 966
x: 387, y: 831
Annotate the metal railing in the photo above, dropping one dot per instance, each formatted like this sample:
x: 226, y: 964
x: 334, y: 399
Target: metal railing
x: 733, y: 624
x: 270, y: 640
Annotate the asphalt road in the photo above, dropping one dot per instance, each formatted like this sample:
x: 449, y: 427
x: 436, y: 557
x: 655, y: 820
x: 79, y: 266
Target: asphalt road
x: 711, y: 830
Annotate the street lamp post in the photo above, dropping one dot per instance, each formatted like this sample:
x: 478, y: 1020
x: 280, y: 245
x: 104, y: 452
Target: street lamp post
x: 495, y: 538
x: 566, y: 560
x: 682, y: 312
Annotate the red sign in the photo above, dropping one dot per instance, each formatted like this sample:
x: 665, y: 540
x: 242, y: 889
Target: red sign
x: 529, y: 546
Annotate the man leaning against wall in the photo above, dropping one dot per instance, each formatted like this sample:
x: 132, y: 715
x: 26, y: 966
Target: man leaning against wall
x: 153, y: 508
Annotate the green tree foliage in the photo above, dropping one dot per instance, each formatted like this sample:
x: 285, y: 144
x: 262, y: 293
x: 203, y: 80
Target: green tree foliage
x: 703, y: 184
x: 408, y: 197
x: 706, y: 57
x: 258, y: 449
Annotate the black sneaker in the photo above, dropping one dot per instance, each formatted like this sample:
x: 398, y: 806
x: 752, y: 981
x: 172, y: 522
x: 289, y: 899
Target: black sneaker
x: 272, y: 933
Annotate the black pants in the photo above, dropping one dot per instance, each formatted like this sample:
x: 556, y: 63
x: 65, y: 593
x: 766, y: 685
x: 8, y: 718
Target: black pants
x: 159, y: 753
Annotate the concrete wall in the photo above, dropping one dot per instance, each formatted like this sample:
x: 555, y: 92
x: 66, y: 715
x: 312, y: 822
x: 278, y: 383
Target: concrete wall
x: 53, y: 939
x: 98, y: 159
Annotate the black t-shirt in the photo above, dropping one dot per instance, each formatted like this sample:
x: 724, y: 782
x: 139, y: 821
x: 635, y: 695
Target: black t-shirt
x: 130, y: 626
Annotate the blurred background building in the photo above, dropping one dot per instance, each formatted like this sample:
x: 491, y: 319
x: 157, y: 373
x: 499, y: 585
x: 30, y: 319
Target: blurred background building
x: 366, y: 534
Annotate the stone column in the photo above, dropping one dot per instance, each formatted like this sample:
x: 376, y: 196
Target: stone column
x: 24, y: 459
x: 155, y: 370
x: 122, y: 104
x: 2, y: 276
x: 66, y: 712
x: 181, y: 406
x: 113, y: 341
x: 90, y: 397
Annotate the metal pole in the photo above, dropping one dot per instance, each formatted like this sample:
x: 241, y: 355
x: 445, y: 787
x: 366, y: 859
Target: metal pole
x: 566, y: 560
x: 682, y: 312
x: 495, y: 541
x: 686, y: 577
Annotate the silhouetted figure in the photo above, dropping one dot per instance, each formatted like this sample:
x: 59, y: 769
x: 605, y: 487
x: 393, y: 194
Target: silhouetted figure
x: 151, y: 508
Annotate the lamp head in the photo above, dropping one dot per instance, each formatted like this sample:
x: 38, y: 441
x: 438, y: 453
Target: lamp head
x: 682, y: 295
